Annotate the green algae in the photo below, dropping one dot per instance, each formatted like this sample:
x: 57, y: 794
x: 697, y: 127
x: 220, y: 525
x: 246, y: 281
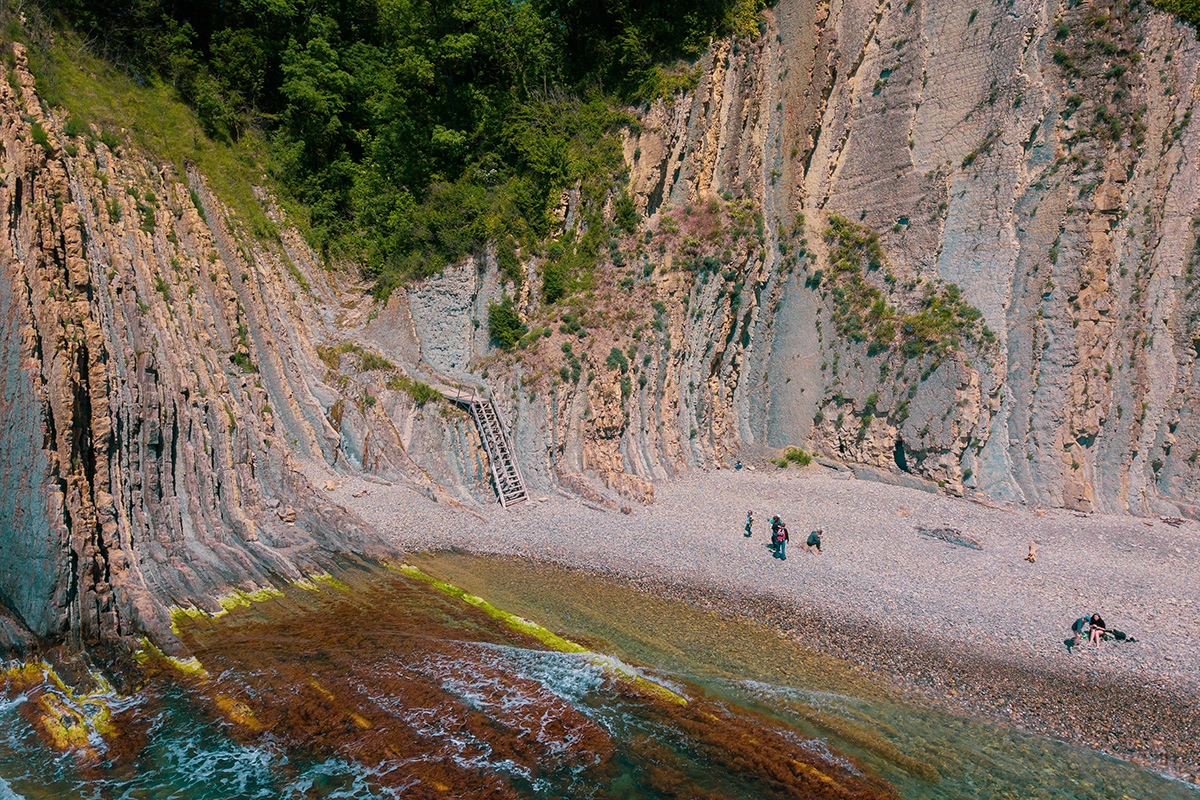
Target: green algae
x: 612, y: 665
x: 190, y: 666
x: 241, y: 599
x: 65, y: 716
x: 330, y: 581
x: 238, y: 598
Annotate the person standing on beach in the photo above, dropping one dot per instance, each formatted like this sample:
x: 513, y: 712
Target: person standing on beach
x: 749, y: 523
x: 781, y: 540
x: 776, y: 524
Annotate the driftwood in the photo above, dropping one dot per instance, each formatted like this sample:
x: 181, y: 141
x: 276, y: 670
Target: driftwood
x: 951, y: 536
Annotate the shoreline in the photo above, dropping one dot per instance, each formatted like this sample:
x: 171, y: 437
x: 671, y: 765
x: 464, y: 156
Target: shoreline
x: 1028, y: 698
x: 978, y: 631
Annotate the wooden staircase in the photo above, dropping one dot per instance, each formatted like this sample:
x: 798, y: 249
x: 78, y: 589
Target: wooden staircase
x: 505, y: 473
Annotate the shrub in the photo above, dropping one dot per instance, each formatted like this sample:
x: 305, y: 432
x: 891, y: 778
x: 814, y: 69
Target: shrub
x: 627, y: 215
x: 40, y: 138
x: 554, y: 282
x: 794, y: 455
x: 617, y: 360
x: 504, y: 323
x: 243, y: 361
x: 507, y: 261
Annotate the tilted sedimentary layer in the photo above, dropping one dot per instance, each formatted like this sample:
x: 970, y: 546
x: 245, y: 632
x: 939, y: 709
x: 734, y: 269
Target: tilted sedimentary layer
x: 946, y: 245
x: 155, y: 394
x: 1039, y: 157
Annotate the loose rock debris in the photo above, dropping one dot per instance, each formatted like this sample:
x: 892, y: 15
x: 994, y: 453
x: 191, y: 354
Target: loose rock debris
x: 952, y: 536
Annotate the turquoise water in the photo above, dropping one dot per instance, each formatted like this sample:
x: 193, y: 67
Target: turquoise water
x: 187, y: 756
x: 839, y: 717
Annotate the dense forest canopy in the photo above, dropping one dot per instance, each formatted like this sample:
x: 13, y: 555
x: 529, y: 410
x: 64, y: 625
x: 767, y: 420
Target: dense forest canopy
x: 416, y: 130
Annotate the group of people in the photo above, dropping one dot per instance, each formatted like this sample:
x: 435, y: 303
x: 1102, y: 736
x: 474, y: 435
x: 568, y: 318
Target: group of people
x: 780, y: 538
x: 1093, y: 627
x: 1094, y: 630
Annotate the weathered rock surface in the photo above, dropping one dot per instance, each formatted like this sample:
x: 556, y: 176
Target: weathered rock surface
x: 1041, y: 158
x: 156, y: 389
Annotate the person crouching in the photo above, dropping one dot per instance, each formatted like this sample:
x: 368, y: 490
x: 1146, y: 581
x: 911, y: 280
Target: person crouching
x: 814, y: 541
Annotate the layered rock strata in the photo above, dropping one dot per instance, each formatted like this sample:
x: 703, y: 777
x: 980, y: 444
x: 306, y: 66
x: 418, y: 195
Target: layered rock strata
x: 1038, y: 159
x: 155, y: 397
x: 954, y: 246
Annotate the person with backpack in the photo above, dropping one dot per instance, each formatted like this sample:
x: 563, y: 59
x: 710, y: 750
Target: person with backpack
x: 776, y: 523
x: 749, y: 523
x: 781, y: 540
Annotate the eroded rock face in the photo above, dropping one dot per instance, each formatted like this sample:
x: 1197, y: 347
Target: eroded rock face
x: 156, y: 392
x: 1040, y: 159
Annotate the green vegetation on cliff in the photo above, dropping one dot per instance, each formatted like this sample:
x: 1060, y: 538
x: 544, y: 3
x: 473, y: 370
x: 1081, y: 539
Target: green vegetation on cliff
x: 1187, y: 10
x: 414, y: 131
x: 861, y: 310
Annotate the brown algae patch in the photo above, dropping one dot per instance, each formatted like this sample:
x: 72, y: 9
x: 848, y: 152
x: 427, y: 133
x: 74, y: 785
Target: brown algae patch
x: 435, y: 689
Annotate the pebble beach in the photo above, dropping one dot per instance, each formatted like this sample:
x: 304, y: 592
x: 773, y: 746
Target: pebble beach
x: 982, y: 629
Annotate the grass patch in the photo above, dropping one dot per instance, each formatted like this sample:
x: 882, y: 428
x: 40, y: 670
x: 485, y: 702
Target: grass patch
x: 793, y: 455
x: 40, y: 138
x: 155, y: 120
x: 367, y: 361
x: 861, y: 311
x: 420, y: 392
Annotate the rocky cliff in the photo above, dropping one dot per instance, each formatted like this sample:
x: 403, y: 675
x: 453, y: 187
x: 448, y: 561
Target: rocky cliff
x: 158, y: 389
x: 944, y: 244
x: 954, y: 242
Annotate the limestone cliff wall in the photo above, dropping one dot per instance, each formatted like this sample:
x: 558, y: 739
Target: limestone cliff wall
x: 1040, y: 157
x: 157, y: 392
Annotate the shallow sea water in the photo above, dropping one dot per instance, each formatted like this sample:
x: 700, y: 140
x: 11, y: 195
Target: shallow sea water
x: 379, y: 686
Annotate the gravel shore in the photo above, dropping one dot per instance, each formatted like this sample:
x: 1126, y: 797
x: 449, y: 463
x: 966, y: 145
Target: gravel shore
x: 981, y: 629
